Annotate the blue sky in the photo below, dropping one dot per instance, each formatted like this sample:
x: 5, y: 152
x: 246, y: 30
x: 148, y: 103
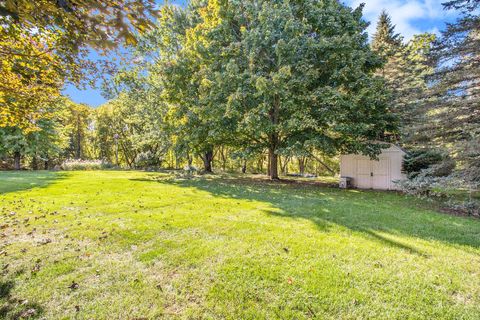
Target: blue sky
x: 410, y: 17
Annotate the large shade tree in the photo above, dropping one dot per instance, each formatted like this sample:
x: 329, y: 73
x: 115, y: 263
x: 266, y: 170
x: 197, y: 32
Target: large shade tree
x: 44, y: 43
x: 293, y: 74
x: 277, y: 76
x: 187, y: 59
x: 280, y: 77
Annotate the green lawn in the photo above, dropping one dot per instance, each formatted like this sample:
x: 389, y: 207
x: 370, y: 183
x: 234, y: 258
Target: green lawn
x: 137, y: 245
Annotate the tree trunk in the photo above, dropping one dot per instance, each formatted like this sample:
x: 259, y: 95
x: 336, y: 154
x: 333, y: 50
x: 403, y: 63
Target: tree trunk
x: 46, y: 166
x: 274, y: 139
x: 175, y: 161
x: 323, y: 163
x: 244, y: 166
x: 260, y: 163
x: 284, y: 165
x: 78, y: 147
x: 273, y: 169
x: 268, y: 164
x: 302, y: 161
x: 224, y: 159
x: 34, y: 162
x: 207, y: 161
x: 16, y: 160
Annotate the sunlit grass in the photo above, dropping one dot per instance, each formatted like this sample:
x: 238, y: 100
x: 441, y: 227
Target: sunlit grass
x: 125, y: 245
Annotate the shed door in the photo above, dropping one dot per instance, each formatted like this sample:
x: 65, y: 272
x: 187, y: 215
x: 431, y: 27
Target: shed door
x: 364, y: 172
x: 381, y: 173
x: 373, y: 174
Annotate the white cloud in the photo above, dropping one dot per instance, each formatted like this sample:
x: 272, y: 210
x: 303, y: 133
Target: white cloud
x: 405, y: 14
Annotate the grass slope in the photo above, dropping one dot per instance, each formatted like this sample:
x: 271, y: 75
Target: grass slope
x: 136, y: 245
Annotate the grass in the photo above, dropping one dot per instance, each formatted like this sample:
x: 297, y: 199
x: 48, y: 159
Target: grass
x: 14, y: 181
x: 137, y: 245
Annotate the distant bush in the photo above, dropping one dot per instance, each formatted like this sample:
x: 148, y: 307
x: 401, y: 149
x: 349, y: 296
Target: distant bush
x: 148, y: 159
x: 85, y: 165
x: 188, y: 169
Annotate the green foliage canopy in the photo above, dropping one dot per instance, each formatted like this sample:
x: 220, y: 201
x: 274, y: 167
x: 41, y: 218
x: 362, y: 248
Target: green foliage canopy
x: 276, y: 76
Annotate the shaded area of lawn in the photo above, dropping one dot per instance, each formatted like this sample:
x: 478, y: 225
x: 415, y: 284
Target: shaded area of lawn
x: 14, y: 307
x: 369, y: 212
x: 11, y: 181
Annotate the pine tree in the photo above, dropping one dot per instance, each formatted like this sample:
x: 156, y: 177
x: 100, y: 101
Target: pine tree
x: 406, y: 75
x: 404, y: 71
x: 387, y: 44
x: 455, y: 95
x: 385, y: 41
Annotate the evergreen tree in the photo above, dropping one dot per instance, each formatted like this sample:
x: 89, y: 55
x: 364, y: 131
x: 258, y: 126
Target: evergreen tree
x: 385, y: 41
x: 405, y: 70
x: 405, y: 74
x: 455, y: 105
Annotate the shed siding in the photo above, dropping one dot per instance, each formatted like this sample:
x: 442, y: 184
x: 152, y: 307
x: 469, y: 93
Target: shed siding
x: 348, y: 166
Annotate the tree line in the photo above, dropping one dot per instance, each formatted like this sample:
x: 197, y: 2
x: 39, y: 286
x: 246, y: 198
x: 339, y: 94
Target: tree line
x: 255, y: 85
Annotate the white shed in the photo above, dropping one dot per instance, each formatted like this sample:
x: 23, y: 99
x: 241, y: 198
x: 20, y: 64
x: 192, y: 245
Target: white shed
x: 374, y: 174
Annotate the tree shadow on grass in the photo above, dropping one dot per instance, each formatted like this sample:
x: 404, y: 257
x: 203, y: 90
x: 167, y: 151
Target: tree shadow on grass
x: 372, y: 214
x: 12, y: 307
x: 12, y: 181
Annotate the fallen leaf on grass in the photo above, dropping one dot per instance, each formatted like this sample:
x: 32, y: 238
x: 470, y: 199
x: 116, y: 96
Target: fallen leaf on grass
x: 73, y: 286
x: 36, y: 268
x: 313, y: 314
x: 27, y: 313
x: 45, y: 241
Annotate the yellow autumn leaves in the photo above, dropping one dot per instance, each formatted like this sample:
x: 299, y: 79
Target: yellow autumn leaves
x: 30, y: 76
